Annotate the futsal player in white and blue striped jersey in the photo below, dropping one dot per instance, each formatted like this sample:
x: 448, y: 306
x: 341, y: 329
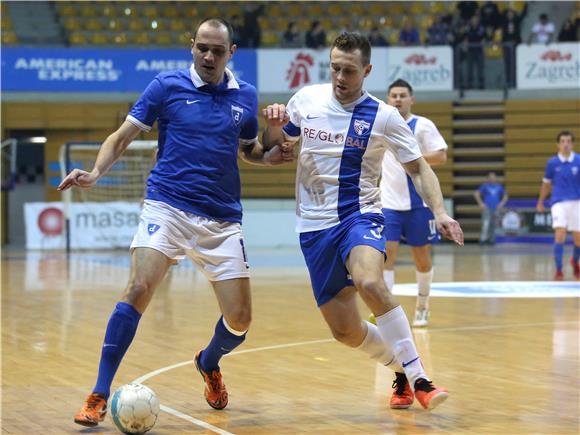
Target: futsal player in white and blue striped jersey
x: 344, y: 132
x: 206, y: 118
x: 562, y: 178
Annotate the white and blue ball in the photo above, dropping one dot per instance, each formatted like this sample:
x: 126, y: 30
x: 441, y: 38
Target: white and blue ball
x: 134, y: 408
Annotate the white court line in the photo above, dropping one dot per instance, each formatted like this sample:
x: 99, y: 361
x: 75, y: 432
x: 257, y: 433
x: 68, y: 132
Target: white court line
x: 217, y: 430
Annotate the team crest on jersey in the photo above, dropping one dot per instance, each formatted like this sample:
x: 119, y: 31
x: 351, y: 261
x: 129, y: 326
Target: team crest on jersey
x: 237, y: 113
x: 361, y: 127
x: 152, y: 228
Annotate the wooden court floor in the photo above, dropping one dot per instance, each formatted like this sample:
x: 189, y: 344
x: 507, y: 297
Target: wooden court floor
x: 511, y: 364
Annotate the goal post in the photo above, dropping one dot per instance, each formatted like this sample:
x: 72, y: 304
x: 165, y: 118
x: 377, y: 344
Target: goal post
x: 125, y: 182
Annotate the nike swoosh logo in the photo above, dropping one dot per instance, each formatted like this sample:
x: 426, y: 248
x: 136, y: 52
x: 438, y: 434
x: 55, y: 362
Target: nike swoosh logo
x: 192, y: 101
x: 410, y: 362
x: 109, y: 345
x: 312, y: 117
x: 369, y: 238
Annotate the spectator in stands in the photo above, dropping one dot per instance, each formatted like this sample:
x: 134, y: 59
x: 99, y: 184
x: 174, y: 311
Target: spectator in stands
x: 491, y: 197
x: 239, y: 31
x: 476, y: 37
x: 542, y: 32
x: 409, y: 35
x: 377, y: 39
x: 511, y: 37
x: 316, y: 36
x: 439, y: 33
x: 466, y: 9
x: 490, y: 16
x: 292, y: 37
x: 569, y: 32
x: 253, y: 33
x: 460, y: 47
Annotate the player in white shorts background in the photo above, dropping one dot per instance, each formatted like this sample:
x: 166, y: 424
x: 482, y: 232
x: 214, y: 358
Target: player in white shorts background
x: 192, y: 205
x: 562, y: 178
x: 344, y: 132
x: 407, y: 217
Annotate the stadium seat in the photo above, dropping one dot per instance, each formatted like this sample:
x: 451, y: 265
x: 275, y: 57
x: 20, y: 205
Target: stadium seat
x: 66, y: 10
x: 270, y: 38
x: 274, y: 10
x: 120, y: 38
x: 295, y: 10
x: 140, y: 38
x: 151, y: 12
x: 88, y: 10
x: 163, y: 38
x: 77, y: 38
x: 93, y: 24
x: 71, y: 24
x: 169, y: 11
x: 9, y: 37
x: 177, y: 25
x: 183, y: 39
x: 136, y: 25
x: 99, y: 38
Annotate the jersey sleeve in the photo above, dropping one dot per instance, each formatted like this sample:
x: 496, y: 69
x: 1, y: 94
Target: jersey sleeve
x: 148, y: 107
x: 292, y: 129
x: 400, y: 138
x: 430, y: 138
x: 249, y: 131
x: 549, y: 172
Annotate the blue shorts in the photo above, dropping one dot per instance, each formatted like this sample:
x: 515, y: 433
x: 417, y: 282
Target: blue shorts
x: 415, y: 227
x: 326, y: 251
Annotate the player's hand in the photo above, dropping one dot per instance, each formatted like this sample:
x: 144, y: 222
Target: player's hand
x: 540, y: 207
x: 276, y: 115
x: 283, y: 153
x: 450, y: 229
x: 78, y: 178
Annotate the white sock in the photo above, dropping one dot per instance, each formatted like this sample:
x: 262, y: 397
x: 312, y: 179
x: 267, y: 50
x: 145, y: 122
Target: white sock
x: 424, y: 280
x: 396, y: 332
x: 389, y: 277
x: 374, y: 346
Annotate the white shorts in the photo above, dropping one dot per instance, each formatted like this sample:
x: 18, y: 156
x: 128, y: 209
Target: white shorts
x: 566, y: 214
x: 217, y: 247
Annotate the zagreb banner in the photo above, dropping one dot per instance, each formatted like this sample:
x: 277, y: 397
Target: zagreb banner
x: 548, y: 66
x: 100, y: 70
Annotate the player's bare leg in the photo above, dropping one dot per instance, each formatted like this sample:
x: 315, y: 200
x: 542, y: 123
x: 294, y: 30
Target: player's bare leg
x: 235, y: 303
x: 365, y: 265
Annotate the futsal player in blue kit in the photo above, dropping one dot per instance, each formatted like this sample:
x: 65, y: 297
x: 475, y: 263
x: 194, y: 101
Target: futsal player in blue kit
x: 206, y: 118
x: 562, y: 178
x: 344, y: 132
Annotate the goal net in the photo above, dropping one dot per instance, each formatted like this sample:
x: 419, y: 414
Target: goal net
x: 125, y: 181
x: 106, y: 215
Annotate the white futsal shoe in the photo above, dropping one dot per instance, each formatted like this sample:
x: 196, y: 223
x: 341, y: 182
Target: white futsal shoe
x: 421, y: 318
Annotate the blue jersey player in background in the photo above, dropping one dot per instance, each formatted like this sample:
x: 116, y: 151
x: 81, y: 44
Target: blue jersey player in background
x: 562, y: 177
x: 206, y: 118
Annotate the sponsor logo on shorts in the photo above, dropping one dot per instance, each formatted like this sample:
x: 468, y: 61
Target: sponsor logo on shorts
x: 152, y: 228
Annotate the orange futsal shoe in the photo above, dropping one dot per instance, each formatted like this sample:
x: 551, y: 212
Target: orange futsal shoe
x: 559, y: 276
x: 215, y: 391
x: 93, y: 411
x: 428, y: 395
x: 402, y: 397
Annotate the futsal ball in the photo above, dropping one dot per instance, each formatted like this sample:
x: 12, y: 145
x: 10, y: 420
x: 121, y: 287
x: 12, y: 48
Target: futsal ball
x: 134, y: 408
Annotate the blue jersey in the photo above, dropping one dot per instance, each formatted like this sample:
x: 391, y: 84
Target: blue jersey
x: 200, y: 128
x: 492, y: 194
x: 564, y: 174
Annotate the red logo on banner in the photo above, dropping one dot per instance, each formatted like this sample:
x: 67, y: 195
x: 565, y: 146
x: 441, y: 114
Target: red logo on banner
x: 51, y: 221
x: 420, y: 59
x: 299, y: 72
x: 555, y: 56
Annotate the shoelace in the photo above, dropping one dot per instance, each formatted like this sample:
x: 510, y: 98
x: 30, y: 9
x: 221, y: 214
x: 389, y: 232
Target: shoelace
x: 424, y: 385
x: 215, y: 381
x: 93, y: 402
x: 400, y: 382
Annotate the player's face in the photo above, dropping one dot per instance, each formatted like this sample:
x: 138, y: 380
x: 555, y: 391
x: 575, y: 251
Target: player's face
x: 401, y: 98
x: 211, y: 52
x: 347, y: 73
x: 565, y: 144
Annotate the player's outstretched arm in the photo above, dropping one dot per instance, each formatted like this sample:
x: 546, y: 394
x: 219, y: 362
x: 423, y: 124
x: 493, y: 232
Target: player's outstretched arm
x: 276, y: 117
x: 256, y: 154
x: 427, y: 185
x: 110, y: 151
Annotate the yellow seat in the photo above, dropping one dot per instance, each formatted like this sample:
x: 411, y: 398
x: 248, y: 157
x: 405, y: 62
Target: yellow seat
x: 396, y: 8
x: 71, y: 24
x: 213, y: 11
x: 151, y: 12
x: 121, y: 39
x: 136, y: 25
x: 417, y: 8
x: 270, y: 39
x: 425, y: 22
x: 169, y: 11
x: 109, y: 10
x: 93, y: 24
x: 9, y: 38
x: 438, y: 7
x: 66, y: 10
x: 295, y: 9
x: 274, y: 10
x: 77, y: 38
x: 377, y: 9
x: 315, y: 10
x: 88, y: 10
x: 184, y: 39
x: 191, y: 12
x: 356, y: 10
x: 335, y: 10
x: 140, y: 38
x: 177, y: 25
x: 99, y: 38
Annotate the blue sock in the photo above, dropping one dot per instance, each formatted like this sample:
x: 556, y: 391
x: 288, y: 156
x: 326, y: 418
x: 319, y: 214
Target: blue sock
x: 120, y: 332
x: 222, y: 343
x: 558, y: 254
x: 576, y: 254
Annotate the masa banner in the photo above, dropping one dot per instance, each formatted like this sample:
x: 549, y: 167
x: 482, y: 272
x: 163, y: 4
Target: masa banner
x: 100, y: 70
x: 93, y: 225
x: 548, y: 66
